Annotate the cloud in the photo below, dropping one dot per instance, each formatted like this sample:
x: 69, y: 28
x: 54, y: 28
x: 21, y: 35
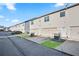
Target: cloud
x: 59, y: 4
x: 15, y: 21
x: 10, y: 6
x: 1, y: 16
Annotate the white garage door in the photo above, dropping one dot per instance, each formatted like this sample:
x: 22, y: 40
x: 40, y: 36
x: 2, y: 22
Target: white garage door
x: 74, y: 33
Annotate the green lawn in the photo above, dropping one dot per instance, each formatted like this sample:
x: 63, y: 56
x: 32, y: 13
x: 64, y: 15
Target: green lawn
x: 47, y: 43
x: 51, y: 44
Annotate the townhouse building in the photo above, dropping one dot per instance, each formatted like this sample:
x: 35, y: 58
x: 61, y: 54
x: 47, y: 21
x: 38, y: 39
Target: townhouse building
x: 18, y: 27
x: 2, y: 28
x: 24, y: 27
x: 64, y: 22
x: 60, y: 21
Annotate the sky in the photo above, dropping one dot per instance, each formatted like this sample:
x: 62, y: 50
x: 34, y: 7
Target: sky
x: 14, y: 13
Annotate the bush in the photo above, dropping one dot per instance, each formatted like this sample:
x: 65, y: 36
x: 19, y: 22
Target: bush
x: 1, y: 29
x: 32, y: 35
x: 16, y: 32
x: 9, y: 30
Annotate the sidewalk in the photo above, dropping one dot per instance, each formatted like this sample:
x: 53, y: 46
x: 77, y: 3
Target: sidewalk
x: 37, y: 39
x: 71, y: 47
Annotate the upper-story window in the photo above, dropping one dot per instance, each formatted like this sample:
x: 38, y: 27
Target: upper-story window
x: 46, y: 18
x: 62, y: 14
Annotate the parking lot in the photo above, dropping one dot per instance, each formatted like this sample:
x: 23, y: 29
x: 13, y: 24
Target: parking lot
x: 16, y: 46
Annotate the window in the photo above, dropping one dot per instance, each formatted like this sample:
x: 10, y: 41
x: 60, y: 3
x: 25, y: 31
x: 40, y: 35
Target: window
x: 46, y: 18
x: 62, y: 14
x: 32, y: 22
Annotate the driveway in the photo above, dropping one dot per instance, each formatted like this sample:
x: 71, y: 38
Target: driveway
x: 71, y: 47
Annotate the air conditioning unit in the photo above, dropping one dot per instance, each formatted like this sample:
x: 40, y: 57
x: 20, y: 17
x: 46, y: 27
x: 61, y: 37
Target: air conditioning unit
x: 56, y: 36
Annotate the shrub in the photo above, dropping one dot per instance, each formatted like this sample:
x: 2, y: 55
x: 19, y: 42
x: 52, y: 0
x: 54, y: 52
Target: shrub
x: 32, y: 35
x: 1, y: 29
x: 16, y: 32
x: 9, y: 30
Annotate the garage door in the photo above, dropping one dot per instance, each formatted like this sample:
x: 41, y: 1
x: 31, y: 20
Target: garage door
x: 74, y: 33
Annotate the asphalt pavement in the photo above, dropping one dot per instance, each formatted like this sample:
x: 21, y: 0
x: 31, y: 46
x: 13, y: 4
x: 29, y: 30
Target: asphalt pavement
x: 16, y: 46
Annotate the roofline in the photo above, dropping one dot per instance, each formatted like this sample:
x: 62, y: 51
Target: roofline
x: 19, y: 23
x: 56, y: 11
x: 48, y: 14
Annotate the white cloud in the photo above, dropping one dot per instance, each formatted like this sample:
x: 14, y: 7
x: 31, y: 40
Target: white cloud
x: 59, y: 4
x: 10, y: 6
x: 15, y: 21
x: 1, y: 16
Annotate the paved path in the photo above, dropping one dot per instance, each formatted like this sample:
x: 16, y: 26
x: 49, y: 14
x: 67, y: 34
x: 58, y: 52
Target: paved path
x: 15, y: 46
x: 71, y: 47
x: 37, y: 39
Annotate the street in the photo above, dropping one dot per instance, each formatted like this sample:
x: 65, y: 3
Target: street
x: 16, y: 46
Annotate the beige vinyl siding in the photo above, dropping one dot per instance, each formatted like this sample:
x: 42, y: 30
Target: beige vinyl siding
x: 61, y: 24
x: 56, y: 24
x: 42, y: 28
x: 35, y: 27
x: 74, y: 33
x: 50, y: 27
x: 73, y: 16
x: 72, y: 23
x: 48, y: 32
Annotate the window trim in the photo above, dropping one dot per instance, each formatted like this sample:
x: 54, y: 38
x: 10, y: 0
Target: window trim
x: 62, y: 14
x: 46, y: 18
